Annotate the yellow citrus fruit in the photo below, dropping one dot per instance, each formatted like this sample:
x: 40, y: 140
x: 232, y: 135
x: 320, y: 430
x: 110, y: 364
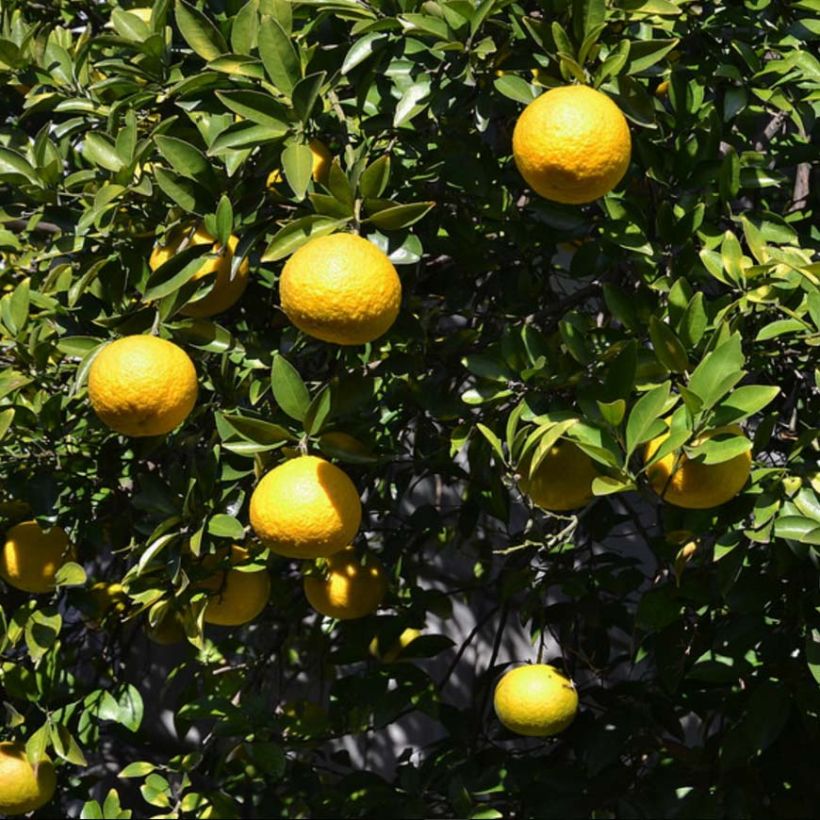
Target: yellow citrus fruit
x: 563, y: 480
x: 341, y: 289
x: 663, y: 89
x: 31, y: 556
x: 536, y: 700
x: 22, y: 789
x: 142, y: 385
x: 393, y: 653
x: 696, y: 486
x: 226, y: 290
x: 349, y: 589
x: 306, y: 508
x: 238, y: 597
x: 168, y: 631
x: 322, y: 160
x: 572, y: 144
x: 108, y: 597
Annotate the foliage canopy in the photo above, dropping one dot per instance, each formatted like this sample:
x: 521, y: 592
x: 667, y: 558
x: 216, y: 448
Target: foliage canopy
x: 687, y: 297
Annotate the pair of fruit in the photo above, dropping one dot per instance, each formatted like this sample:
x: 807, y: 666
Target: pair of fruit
x: 308, y: 508
x: 563, y: 480
x: 340, y: 288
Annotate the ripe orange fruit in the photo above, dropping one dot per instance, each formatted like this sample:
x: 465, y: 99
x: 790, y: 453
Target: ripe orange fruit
x: 226, y: 290
x: 31, y: 556
x: 238, y: 596
x: 535, y: 700
x: 322, y: 160
x: 22, y: 788
x: 696, y: 486
x: 142, y: 385
x: 572, y: 144
x: 563, y: 480
x: 306, y: 508
x: 340, y: 289
x: 349, y: 589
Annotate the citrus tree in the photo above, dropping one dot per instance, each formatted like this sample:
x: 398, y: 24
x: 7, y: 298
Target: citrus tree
x: 328, y: 325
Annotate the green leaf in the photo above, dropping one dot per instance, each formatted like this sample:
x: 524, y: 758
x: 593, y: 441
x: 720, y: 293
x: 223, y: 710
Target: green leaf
x: 563, y: 44
x: 245, y: 28
x: 640, y: 425
x: 798, y: 528
x: 400, y: 216
x: 318, y: 411
x: 100, y: 150
x: 245, y: 135
x: 6, y: 418
x: 238, y: 65
x: 278, y: 55
x: 719, y: 448
x: 549, y: 435
x: 297, y: 163
x: 263, y: 433
x: 296, y: 233
x: 644, y: 54
x: 224, y: 220
x: 515, y: 88
x: 198, y: 31
x: 613, y: 412
x: 412, y: 102
x: 361, y: 50
x: 70, y: 574
x: 129, y: 26
x: 305, y: 94
x: 187, y: 160
x: 289, y: 390
x: 92, y: 811
x: 668, y: 348
x: 42, y: 629
x: 813, y: 653
x: 608, y: 485
x: 731, y: 256
x: 173, y: 274
x: 718, y: 372
x: 14, y: 164
x: 743, y: 402
x: 587, y: 15
x: 614, y: 63
x: 189, y: 195
x: 780, y: 327
x: 139, y: 768
x: 374, y: 178
x: 226, y: 526
x: 694, y: 321
x: 258, y: 107
x: 493, y: 439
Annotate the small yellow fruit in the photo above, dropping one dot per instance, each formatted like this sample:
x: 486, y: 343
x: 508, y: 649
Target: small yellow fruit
x: 142, y: 385
x: 238, y: 596
x: 226, y: 290
x: 340, y: 289
x: 572, y: 144
x: 663, y: 89
x: 350, y: 589
x: 696, y: 486
x: 394, y: 652
x: 306, y: 508
x: 563, y: 480
x: 22, y: 788
x: 108, y: 597
x: 322, y: 160
x: 31, y: 556
x: 168, y: 631
x: 535, y: 701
